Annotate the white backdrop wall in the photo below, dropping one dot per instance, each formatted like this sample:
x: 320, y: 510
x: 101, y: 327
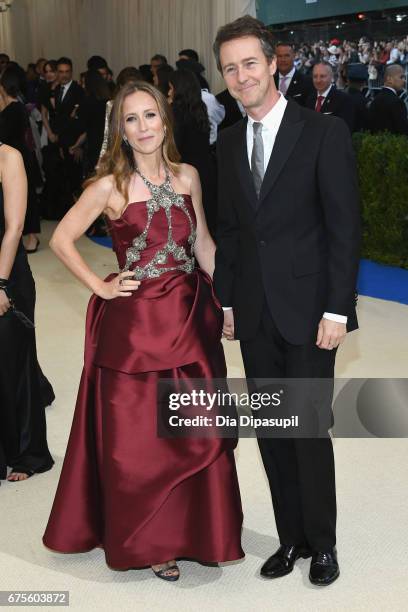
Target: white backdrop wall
x: 125, y: 32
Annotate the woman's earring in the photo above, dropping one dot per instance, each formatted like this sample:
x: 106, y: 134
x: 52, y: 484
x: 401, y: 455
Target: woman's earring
x: 125, y: 140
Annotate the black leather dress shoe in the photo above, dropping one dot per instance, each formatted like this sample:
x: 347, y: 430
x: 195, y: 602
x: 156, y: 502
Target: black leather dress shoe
x: 324, y: 568
x: 282, y: 562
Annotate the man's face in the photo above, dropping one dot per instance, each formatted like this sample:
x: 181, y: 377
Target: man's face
x: 397, y: 81
x: 284, y: 58
x: 64, y: 73
x: 322, y: 77
x: 246, y: 71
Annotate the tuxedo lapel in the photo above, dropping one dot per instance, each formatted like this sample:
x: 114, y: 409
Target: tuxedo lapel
x: 286, y: 138
x: 327, y: 105
x: 67, y: 100
x: 241, y: 160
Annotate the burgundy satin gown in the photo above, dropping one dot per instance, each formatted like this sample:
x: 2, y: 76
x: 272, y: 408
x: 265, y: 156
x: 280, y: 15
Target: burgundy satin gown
x: 145, y: 499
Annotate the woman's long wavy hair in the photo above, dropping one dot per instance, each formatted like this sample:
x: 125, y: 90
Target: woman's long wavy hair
x: 118, y: 159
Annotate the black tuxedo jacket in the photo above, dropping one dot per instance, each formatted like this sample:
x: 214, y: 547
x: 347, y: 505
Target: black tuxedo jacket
x: 300, y: 87
x: 388, y: 112
x: 66, y: 121
x: 232, y: 112
x: 336, y: 103
x: 298, y: 245
x: 361, y: 117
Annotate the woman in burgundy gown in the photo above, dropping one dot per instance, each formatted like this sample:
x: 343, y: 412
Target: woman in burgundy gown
x: 144, y: 499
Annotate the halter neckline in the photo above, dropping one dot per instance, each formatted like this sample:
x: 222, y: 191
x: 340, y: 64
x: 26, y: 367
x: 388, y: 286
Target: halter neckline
x: 151, y: 186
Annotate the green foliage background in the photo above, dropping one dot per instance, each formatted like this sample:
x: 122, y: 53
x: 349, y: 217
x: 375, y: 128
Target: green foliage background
x: 383, y: 175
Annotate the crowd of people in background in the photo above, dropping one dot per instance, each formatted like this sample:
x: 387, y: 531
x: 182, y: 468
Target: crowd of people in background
x: 60, y: 125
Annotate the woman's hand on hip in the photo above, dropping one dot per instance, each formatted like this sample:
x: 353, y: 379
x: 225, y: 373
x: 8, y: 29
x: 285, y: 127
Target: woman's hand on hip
x: 120, y: 286
x: 4, y: 303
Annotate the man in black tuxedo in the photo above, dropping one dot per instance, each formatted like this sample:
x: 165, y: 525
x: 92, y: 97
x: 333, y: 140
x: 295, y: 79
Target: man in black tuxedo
x: 68, y: 97
x: 328, y: 100
x: 387, y: 111
x: 357, y: 76
x: 285, y: 273
x: 288, y: 80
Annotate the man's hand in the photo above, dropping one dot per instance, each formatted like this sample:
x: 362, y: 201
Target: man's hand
x: 330, y: 334
x: 228, y: 327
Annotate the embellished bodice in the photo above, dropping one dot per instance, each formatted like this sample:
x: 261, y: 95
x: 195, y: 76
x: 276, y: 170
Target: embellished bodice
x: 158, y: 235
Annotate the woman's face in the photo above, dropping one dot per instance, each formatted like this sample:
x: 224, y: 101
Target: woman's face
x: 142, y: 124
x: 170, y: 95
x: 50, y: 75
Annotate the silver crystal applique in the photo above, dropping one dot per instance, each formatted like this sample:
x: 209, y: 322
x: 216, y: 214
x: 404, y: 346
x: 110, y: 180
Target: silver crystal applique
x: 163, y: 196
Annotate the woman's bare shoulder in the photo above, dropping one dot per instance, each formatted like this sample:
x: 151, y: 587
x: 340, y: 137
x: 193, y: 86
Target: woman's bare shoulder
x: 103, y: 185
x: 9, y: 154
x: 188, y: 177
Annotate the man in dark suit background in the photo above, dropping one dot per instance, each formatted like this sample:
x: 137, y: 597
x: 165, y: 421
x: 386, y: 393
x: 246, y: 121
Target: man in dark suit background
x: 288, y: 80
x: 328, y: 100
x: 285, y: 273
x: 233, y: 111
x: 357, y: 76
x: 68, y: 97
x: 387, y: 111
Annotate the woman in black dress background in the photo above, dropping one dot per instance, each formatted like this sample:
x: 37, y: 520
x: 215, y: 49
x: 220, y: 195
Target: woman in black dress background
x: 91, y: 116
x: 14, y: 124
x: 192, y: 136
x: 50, y: 152
x: 23, y: 442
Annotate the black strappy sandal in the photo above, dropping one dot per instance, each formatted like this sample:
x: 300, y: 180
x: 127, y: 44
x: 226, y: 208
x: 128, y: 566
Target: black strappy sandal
x: 162, y: 573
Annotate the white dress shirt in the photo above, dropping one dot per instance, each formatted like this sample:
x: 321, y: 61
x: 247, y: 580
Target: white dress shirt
x: 65, y: 89
x: 270, y: 125
x: 324, y: 94
x: 216, y: 112
x: 288, y: 78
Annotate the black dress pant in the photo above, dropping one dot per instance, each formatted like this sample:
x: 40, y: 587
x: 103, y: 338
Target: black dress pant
x: 300, y: 471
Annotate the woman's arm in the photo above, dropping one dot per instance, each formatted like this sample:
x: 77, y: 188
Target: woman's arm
x: 90, y: 205
x: 14, y: 182
x: 204, y: 248
x: 45, y: 115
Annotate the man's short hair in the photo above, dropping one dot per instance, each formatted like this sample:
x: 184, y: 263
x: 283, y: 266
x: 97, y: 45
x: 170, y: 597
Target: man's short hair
x: 323, y: 63
x: 160, y: 58
x: 392, y: 70
x: 96, y: 62
x: 64, y: 60
x: 244, y: 26
x: 281, y: 43
x: 190, y: 53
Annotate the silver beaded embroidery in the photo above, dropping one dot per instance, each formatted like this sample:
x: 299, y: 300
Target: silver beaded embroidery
x: 163, y: 196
